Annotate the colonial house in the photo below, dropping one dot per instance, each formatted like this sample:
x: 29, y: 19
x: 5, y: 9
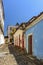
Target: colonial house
x: 19, y: 36
x: 11, y: 31
x: 34, y: 36
x: 1, y: 23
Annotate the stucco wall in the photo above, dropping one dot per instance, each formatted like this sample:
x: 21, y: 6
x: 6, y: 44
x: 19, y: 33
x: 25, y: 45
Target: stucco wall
x: 1, y: 39
x: 2, y: 23
x: 37, y: 39
x: 16, y: 37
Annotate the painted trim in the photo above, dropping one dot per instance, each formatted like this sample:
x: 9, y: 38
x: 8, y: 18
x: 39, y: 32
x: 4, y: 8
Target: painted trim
x: 35, y: 22
x: 30, y: 34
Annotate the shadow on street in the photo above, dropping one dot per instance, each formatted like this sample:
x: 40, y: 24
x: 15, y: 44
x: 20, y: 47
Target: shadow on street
x: 21, y: 56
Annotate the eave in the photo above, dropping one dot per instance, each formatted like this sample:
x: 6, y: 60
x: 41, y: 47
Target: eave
x: 35, y: 21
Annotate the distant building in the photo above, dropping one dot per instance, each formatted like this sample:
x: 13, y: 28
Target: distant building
x: 6, y: 39
x: 1, y: 23
x: 11, y: 31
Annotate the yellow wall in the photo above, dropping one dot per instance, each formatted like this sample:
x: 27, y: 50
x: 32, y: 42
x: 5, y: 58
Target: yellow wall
x: 16, y: 37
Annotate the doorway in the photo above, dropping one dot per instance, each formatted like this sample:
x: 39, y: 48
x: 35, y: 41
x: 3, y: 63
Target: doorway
x: 30, y: 44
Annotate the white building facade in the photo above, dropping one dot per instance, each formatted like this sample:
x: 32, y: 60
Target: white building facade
x: 1, y: 23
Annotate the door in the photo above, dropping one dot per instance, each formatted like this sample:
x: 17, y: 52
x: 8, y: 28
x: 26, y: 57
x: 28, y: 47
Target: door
x: 30, y: 44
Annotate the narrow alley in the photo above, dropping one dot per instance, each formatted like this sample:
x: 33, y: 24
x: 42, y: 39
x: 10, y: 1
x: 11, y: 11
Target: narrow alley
x: 16, y: 56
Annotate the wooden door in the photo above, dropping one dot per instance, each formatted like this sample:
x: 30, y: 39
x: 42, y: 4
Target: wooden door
x: 30, y: 44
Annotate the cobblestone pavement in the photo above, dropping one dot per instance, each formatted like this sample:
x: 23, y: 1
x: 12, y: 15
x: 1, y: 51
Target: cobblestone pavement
x: 21, y: 56
x: 8, y: 60
x: 16, y: 56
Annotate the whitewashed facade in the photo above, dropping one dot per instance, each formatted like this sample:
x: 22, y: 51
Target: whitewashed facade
x: 1, y: 23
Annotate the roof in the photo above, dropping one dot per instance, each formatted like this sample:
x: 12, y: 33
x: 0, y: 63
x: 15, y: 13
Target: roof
x: 21, y: 27
x: 17, y: 24
x: 33, y: 19
x: 29, y: 22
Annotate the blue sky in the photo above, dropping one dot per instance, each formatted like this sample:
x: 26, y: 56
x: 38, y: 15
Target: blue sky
x: 20, y: 11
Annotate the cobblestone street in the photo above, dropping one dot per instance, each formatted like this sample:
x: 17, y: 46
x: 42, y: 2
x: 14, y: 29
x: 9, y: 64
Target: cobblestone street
x: 8, y: 60
x: 16, y: 56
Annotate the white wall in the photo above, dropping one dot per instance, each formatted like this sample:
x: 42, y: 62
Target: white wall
x: 1, y: 39
x: 2, y: 24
